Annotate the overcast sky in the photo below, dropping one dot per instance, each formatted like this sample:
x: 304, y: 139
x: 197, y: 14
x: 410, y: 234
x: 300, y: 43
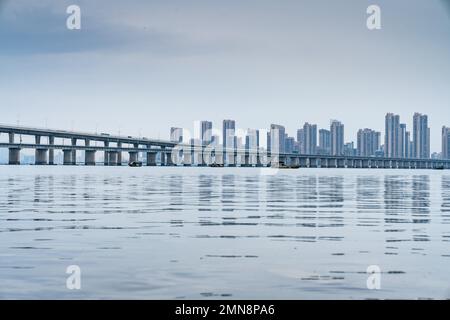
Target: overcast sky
x: 143, y: 66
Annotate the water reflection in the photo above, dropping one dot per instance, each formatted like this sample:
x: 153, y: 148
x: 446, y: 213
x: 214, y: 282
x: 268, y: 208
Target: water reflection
x: 172, y: 232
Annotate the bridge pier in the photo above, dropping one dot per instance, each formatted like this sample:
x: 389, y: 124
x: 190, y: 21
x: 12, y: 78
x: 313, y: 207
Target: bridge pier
x: 162, y: 156
x: 169, y: 161
x: 332, y: 163
x: 67, y: 157
x: 106, y: 154
x: 151, y: 159
x: 303, y: 162
x: 133, y: 156
x: 51, y: 151
x: 89, y: 157
x: 341, y: 162
x: 113, y: 158
x: 41, y: 157
x: 14, y: 156
x: 74, y: 151
x: 313, y: 162
x: 119, y: 154
x: 323, y: 162
x: 365, y: 164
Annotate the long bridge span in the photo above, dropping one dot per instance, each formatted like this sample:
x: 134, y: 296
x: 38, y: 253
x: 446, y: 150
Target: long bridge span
x: 168, y: 153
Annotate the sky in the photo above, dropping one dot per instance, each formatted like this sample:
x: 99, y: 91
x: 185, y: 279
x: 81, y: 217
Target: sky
x: 140, y: 67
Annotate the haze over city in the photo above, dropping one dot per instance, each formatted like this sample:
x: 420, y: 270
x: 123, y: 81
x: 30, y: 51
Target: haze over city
x: 141, y: 67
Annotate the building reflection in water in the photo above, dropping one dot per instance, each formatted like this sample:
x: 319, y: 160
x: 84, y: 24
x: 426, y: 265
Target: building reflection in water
x: 421, y: 199
x: 228, y: 192
x: 176, y: 185
x: 445, y: 194
x: 252, y: 189
x: 205, y: 186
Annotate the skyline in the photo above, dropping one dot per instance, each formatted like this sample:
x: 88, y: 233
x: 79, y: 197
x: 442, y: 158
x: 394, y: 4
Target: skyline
x: 397, y: 141
x: 136, y: 67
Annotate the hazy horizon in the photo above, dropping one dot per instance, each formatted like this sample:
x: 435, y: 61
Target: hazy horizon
x: 141, y: 67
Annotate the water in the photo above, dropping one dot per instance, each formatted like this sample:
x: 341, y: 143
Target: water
x: 233, y: 233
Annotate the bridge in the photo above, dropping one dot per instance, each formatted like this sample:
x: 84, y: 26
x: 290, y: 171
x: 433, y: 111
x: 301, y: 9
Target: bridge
x: 170, y: 153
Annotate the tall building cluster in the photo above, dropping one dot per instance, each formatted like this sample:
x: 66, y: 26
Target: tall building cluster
x: 398, y: 141
x: 368, y: 142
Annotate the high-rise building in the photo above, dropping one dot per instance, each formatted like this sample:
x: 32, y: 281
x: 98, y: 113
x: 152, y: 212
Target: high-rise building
x: 402, y: 141
x: 289, y: 144
x: 445, y: 142
x: 277, y: 138
x: 228, y: 133
x: 421, y: 136
x: 309, y: 138
x: 269, y: 144
x: 325, y: 141
x: 300, y: 138
x: 368, y: 142
x: 205, y: 132
x: 407, y: 149
x: 349, y: 149
x: 337, y: 138
x: 215, y: 140
x: 252, y: 139
x: 392, y: 138
x: 296, y: 147
x: 176, y: 134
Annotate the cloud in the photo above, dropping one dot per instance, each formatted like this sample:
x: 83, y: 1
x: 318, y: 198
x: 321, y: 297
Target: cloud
x: 40, y: 28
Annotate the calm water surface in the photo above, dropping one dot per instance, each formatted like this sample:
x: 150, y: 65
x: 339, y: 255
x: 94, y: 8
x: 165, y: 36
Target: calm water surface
x: 233, y: 233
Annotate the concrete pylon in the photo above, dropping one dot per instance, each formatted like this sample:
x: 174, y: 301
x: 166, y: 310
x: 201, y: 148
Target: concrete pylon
x: 151, y: 159
x: 89, y: 157
x: 41, y: 157
x: 67, y: 157
x: 112, y: 158
x: 14, y: 156
x: 133, y: 156
x: 119, y: 154
x: 163, y: 157
x: 169, y: 160
x: 106, y: 154
x: 74, y: 151
x: 51, y: 151
x: 303, y: 163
